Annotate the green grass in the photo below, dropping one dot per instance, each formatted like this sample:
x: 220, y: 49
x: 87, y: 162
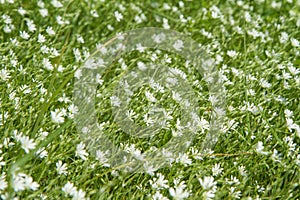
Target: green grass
x: 257, y: 155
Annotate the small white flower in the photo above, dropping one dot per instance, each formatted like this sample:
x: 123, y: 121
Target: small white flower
x: 47, y: 64
x: 150, y: 97
x: 94, y: 13
x: 43, y: 12
x: 24, y: 35
x: 176, y: 96
x: 22, y: 181
x: 30, y: 184
x: 7, y: 19
x: 260, y: 148
x: 78, y: 73
x: 69, y: 188
x: 27, y: 143
x: 217, y: 169
x: 31, y: 25
x: 81, y: 152
x: 140, y: 48
x: 42, y: 153
x: 56, y: 4
x: 184, y: 159
x: 158, y: 38
x: 149, y: 169
x: 79, y: 195
x: 294, y: 71
x: 232, y: 53
x: 118, y: 16
x: 284, y: 37
x: 80, y: 39
x: 41, y: 38
x: 21, y: 11
x: 264, y: 83
x: 166, y: 23
x: 3, y: 183
x: 57, y: 116
x: 4, y: 75
x: 158, y: 196
x: 50, y: 31
x: 77, y: 54
x: 178, y: 45
x: 101, y: 157
x: 179, y: 192
x: 61, y: 168
x: 72, y: 110
x: 141, y: 66
x: 159, y: 182
x: 208, y: 183
x: 115, y: 101
x: 295, y: 42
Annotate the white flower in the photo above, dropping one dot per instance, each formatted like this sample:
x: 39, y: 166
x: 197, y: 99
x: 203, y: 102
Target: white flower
x: 184, y: 159
x: 217, y: 169
x: 24, y: 35
x: 208, y: 183
x: 294, y: 71
x: 118, y: 16
x: 72, y: 110
x: 79, y: 195
x: 30, y: 184
x: 27, y: 143
x: 41, y: 38
x: 77, y: 54
x: 56, y: 4
x: 179, y: 192
x: 176, y: 96
x: 81, y: 152
x: 260, y: 147
x: 69, y: 188
x: 47, y: 64
x: 42, y: 153
x: 115, y: 101
x: 158, y: 38
x: 295, y: 42
x: 3, y: 183
x: 78, y: 73
x: 215, y: 12
x: 94, y: 13
x: 140, y: 48
x: 80, y: 39
x: 208, y: 195
x: 57, y: 116
x: 141, y: 66
x: 50, y: 31
x: 283, y: 37
x: 4, y: 74
x: 264, y: 83
x: 6, y: 19
x: 166, y: 23
x: 22, y: 181
x: 61, y: 168
x: 18, y: 184
x: 21, y: 11
x: 101, y: 157
x: 178, y: 45
x: 232, y: 53
x: 160, y: 182
x: 31, y: 25
x: 150, y: 169
x: 150, y: 97
x: 43, y: 12
x: 158, y: 196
